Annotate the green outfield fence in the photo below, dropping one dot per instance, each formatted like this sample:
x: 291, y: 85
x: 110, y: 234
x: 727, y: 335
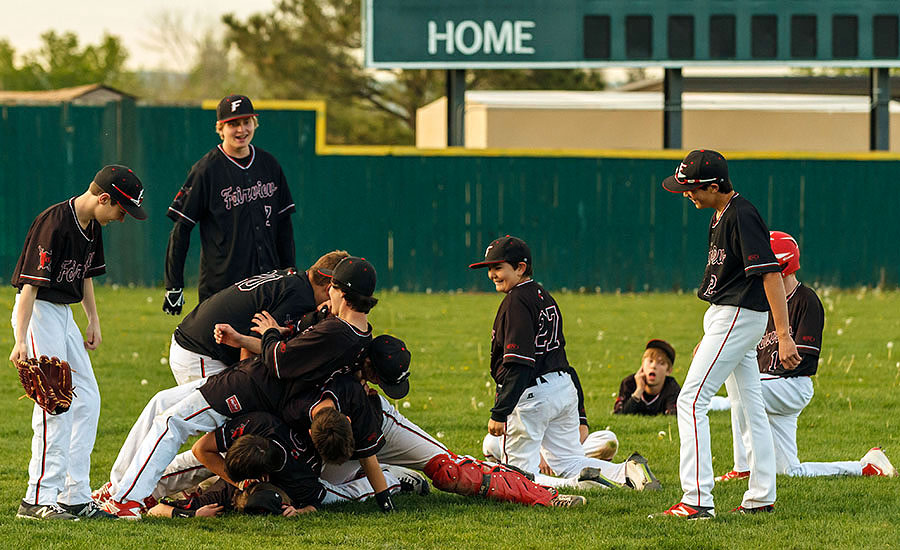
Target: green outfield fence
x: 595, y: 220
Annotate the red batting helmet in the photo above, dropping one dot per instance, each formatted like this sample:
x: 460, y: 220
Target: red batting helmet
x: 786, y: 251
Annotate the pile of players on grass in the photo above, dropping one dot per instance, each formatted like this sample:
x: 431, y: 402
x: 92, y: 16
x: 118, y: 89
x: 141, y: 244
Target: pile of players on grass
x: 279, y: 371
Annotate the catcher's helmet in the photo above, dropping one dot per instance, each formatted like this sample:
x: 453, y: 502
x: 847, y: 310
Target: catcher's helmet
x: 786, y: 251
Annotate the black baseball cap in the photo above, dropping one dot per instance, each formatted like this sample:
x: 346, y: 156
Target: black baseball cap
x: 390, y: 359
x: 353, y: 273
x: 124, y: 187
x: 700, y: 167
x: 505, y: 249
x: 265, y: 498
x: 234, y: 106
x: 664, y: 347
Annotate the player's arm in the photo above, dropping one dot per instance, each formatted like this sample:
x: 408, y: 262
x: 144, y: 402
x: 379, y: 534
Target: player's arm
x: 376, y: 479
x: 583, y: 426
x: 92, y: 336
x: 206, y: 450
x: 167, y: 511
x: 225, y: 334
x: 518, y: 377
x: 284, y: 242
x: 787, y: 349
x: 24, y: 310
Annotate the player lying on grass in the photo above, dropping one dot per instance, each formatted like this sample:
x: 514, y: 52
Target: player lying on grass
x: 276, y: 381
x: 261, y: 498
x: 285, y: 294
x: 536, y: 403
x: 651, y: 390
x: 261, y: 447
x: 786, y: 392
x: 405, y: 446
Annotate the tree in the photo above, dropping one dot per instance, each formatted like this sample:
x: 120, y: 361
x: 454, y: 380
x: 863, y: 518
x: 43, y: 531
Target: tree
x: 312, y: 49
x: 60, y: 62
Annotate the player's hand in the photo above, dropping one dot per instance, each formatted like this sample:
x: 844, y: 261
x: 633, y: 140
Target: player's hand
x: 224, y: 334
x: 496, y: 428
x: 92, y: 337
x: 263, y: 321
x: 788, y: 354
x: 19, y: 353
x: 209, y: 511
x: 173, y: 301
x: 640, y: 382
x: 545, y: 468
x: 289, y: 511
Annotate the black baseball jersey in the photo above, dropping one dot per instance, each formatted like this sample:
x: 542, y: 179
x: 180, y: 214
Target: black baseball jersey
x: 220, y: 492
x: 526, y: 342
x: 244, y: 216
x: 351, y: 399
x: 298, y: 473
x: 665, y: 402
x: 739, y: 250
x: 59, y: 255
x: 807, y: 318
x: 284, y: 293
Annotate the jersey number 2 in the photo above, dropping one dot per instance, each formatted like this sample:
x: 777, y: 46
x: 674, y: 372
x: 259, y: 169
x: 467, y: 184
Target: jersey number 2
x: 547, y: 338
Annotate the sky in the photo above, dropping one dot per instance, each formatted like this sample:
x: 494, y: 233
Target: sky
x: 135, y: 22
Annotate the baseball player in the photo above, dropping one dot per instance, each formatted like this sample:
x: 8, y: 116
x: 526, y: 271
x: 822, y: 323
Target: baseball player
x: 286, y: 294
x: 536, y: 403
x: 602, y: 444
x: 650, y: 390
x: 238, y: 195
x: 62, y: 253
x: 786, y: 392
x: 274, y: 381
x: 742, y: 283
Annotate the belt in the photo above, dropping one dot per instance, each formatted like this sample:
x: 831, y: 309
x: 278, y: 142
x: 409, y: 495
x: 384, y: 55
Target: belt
x: 543, y: 378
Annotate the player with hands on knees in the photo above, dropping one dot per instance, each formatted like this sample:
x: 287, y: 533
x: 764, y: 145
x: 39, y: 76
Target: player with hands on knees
x: 786, y: 392
x: 63, y: 252
x: 742, y: 283
x: 239, y: 197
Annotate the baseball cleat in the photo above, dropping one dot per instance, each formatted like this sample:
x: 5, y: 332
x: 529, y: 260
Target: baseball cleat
x: 876, y: 463
x: 638, y: 475
x: 591, y: 478
x: 411, y: 481
x: 88, y: 510
x: 101, y: 495
x: 683, y: 511
x: 767, y: 509
x: 567, y: 501
x: 128, y: 509
x: 43, y: 511
x: 733, y: 474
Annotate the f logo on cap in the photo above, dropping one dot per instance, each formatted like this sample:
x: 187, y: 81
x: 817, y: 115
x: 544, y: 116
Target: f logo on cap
x: 235, y: 105
x: 680, y: 172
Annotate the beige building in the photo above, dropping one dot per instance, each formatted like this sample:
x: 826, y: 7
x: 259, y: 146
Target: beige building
x: 634, y: 120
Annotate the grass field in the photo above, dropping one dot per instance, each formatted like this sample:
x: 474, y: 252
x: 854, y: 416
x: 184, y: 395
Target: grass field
x: 855, y: 407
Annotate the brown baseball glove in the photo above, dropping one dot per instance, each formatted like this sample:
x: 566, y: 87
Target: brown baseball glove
x: 47, y: 382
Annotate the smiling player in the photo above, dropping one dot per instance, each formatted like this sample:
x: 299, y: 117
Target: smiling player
x: 238, y: 195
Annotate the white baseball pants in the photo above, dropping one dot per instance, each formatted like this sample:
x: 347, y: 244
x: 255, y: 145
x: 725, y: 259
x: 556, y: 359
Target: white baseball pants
x: 785, y: 399
x: 168, y: 420
x: 546, y: 417
x: 188, y: 366
x: 726, y: 354
x: 60, y: 465
x: 405, y: 444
